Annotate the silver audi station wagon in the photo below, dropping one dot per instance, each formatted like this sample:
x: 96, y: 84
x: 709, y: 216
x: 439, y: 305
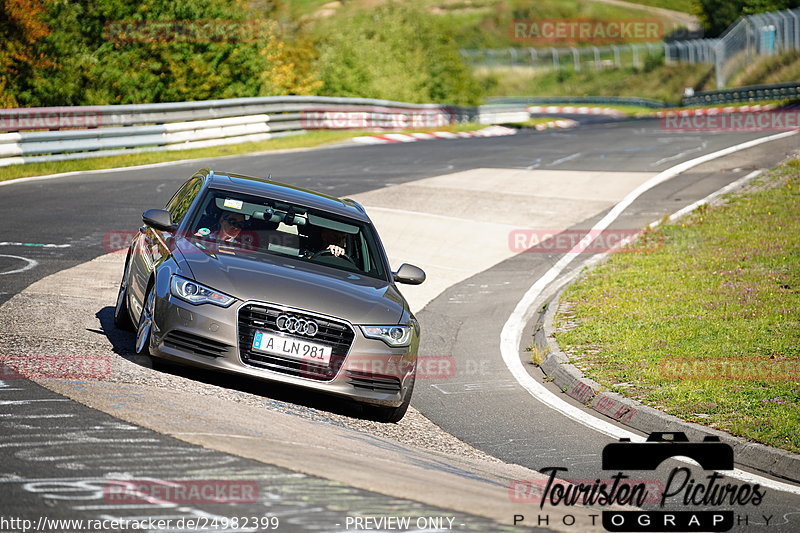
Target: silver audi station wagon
x: 250, y: 276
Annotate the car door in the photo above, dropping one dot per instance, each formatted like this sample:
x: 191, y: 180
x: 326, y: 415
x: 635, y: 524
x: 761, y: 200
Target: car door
x: 150, y: 247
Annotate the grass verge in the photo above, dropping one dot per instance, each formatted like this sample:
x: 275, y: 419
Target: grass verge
x: 660, y: 82
x: 705, y: 326
x: 310, y: 139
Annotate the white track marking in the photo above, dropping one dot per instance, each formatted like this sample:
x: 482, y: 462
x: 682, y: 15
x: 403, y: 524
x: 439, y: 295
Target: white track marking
x: 565, y: 159
x: 31, y: 264
x: 511, y: 335
x: 34, y: 244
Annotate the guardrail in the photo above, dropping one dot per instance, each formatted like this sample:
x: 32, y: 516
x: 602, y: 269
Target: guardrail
x: 752, y: 93
x: 63, y: 133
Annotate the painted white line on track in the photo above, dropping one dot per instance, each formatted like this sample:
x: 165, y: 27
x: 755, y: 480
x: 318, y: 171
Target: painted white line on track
x: 565, y: 159
x: 511, y: 335
x: 31, y: 264
x: 34, y: 244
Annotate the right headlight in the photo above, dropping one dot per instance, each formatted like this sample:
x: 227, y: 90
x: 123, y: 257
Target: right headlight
x: 395, y: 336
x: 195, y: 293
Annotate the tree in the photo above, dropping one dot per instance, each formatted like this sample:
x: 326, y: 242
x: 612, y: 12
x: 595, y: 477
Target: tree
x: 21, y: 27
x: 717, y: 15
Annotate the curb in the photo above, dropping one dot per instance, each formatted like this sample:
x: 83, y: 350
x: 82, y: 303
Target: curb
x: 631, y: 413
x: 574, y: 110
x: 491, y: 131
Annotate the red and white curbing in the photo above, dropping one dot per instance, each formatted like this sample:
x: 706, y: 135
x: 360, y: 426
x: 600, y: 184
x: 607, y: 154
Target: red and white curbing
x: 560, y: 123
x: 714, y: 110
x: 574, y: 110
x: 491, y: 131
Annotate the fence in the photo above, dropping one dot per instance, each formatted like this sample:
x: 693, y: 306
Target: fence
x: 64, y: 133
x: 765, y: 34
x: 592, y: 57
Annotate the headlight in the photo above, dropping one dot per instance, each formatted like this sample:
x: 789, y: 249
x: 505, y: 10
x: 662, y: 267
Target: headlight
x: 197, y: 294
x: 391, y: 335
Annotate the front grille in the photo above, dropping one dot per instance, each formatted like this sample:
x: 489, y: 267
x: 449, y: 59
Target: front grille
x: 363, y: 380
x: 261, y: 317
x: 190, y: 342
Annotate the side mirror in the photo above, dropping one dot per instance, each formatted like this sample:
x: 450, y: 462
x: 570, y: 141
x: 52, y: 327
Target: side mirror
x: 158, y: 219
x: 409, y: 274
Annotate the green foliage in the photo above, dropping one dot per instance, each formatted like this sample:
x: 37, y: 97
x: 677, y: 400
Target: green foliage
x: 717, y: 15
x: 653, y: 80
x: 702, y: 319
x: 116, y: 52
x: 395, y: 52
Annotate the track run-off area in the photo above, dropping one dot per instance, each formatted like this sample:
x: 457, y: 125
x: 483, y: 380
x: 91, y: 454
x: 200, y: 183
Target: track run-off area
x: 476, y: 429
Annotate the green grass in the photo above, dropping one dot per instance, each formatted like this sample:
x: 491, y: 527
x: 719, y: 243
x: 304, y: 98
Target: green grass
x: 532, y: 122
x: 310, y: 139
x: 719, y: 288
x: 685, y: 6
x: 660, y: 82
x: 775, y: 69
x: 486, y: 23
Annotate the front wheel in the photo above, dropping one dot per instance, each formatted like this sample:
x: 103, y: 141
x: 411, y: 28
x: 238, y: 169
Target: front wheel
x: 122, y: 318
x: 392, y: 414
x: 145, y: 327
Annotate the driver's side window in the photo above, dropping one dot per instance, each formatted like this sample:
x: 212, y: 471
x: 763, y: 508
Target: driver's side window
x: 179, y: 205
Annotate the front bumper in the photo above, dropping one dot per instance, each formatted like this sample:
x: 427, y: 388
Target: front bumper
x: 212, y: 337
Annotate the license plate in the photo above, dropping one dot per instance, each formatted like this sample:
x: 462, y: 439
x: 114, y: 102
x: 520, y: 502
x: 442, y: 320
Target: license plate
x: 292, y: 348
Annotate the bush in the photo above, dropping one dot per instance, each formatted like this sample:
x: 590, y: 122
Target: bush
x: 217, y: 49
x: 394, y: 52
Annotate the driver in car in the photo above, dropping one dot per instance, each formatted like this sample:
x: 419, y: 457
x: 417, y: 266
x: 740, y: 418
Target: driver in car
x: 229, y: 227
x: 336, y: 241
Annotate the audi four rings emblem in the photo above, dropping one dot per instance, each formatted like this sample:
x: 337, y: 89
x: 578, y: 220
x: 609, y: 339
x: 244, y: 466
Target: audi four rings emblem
x: 301, y: 326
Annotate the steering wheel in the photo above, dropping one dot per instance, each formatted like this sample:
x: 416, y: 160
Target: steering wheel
x: 346, y: 257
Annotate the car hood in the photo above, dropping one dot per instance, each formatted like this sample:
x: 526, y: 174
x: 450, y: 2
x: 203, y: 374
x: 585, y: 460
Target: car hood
x: 284, y: 281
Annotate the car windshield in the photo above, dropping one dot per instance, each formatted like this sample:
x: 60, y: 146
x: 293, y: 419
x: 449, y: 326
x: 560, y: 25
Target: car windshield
x: 240, y: 223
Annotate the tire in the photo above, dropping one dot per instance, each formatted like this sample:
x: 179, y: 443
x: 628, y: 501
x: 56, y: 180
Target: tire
x: 392, y: 414
x: 145, y: 327
x: 122, y: 317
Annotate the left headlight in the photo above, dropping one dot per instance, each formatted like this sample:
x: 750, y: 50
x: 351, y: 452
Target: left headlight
x: 196, y: 294
x: 392, y: 335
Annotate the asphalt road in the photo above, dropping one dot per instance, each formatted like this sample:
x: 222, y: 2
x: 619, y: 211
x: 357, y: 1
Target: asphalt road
x: 486, y: 408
